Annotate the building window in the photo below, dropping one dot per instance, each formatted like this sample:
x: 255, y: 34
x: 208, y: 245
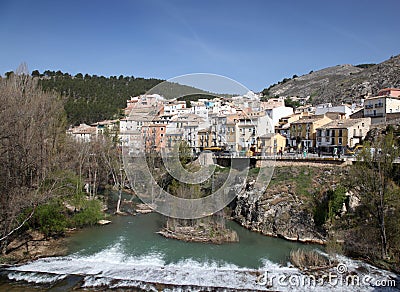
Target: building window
x: 340, y: 133
x: 355, y: 132
x: 340, y: 141
x: 333, y: 133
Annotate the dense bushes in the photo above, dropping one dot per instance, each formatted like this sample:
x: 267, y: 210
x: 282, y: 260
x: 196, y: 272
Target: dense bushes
x: 330, y: 205
x: 89, y: 214
x: 54, y: 218
x: 50, y: 219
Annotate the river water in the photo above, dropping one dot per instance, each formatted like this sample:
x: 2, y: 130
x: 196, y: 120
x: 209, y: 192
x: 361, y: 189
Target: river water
x: 129, y: 254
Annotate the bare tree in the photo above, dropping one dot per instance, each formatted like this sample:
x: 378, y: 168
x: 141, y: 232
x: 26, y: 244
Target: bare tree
x: 372, y: 174
x: 31, y: 132
x: 22, y: 69
x: 112, y: 158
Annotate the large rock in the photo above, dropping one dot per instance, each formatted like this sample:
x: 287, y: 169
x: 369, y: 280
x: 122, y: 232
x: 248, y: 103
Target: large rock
x: 286, y: 208
x: 281, y: 214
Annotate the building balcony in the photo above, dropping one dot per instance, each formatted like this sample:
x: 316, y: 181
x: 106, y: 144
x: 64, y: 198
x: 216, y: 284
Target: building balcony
x: 372, y: 115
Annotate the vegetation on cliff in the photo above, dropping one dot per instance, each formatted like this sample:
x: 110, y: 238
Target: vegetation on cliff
x: 287, y: 207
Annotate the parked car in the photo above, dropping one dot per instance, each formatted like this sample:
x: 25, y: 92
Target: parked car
x: 353, y: 151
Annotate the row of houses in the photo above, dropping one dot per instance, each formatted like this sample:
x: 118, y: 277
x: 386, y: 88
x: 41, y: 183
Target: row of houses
x: 326, y: 132
x: 242, y: 123
x: 225, y: 124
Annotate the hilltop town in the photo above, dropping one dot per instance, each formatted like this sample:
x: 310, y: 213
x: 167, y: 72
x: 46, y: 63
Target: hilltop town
x: 247, y: 125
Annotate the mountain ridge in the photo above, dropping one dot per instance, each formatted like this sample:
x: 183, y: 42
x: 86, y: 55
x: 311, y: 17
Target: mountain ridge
x: 340, y: 83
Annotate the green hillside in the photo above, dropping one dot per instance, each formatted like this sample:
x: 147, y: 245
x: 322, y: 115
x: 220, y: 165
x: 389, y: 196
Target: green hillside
x: 91, y: 98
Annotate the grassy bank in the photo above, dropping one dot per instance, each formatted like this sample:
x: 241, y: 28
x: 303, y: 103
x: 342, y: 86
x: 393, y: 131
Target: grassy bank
x: 46, y: 232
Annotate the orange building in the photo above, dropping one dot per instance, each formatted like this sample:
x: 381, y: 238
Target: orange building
x: 154, y: 135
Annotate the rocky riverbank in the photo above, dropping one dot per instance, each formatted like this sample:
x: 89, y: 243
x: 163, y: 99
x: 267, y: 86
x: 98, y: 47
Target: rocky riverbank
x: 34, y: 245
x: 287, y: 208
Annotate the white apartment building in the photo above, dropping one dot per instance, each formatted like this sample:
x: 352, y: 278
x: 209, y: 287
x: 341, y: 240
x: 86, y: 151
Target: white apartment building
x: 172, y: 107
x: 200, y: 109
x: 378, y: 107
x: 130, y: 128
x: 143, y: 101
x: 324, y: 108
x: 248, y: 128
x: 275, y: 108
x: 185, y: 127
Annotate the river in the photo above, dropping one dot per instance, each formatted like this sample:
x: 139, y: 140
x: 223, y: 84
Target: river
x: 129, y: 254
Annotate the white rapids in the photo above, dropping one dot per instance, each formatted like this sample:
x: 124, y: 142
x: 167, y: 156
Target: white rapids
x: 112, y: 268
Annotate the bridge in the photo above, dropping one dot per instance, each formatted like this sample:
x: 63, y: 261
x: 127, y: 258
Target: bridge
x: 255, y: 161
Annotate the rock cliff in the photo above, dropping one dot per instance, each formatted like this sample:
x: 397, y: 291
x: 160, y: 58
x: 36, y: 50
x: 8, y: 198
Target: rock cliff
x: 286, y: 208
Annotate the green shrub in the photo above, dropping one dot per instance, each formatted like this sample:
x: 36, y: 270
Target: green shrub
x: 336, y: 200
x: 320, y: 213
x: 330, y: 205
x: 50, y: 218
x: 53, y: 218
x: 90, y: 213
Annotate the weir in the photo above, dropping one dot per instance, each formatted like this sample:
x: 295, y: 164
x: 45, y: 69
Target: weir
x: 129, y: 254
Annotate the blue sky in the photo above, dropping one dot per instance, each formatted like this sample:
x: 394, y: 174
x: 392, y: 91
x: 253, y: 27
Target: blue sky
x: 256, y: 43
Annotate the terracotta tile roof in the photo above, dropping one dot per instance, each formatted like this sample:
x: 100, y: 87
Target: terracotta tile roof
x: 340, y: 124
x: 306, y: 121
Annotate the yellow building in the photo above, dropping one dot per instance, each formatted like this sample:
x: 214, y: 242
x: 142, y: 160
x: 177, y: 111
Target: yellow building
x: 343, y: 133
x: 283, y: 126
x: 205, y: 138
x: 271, y: 143
x: 232, y: 135
x: 303, y: 131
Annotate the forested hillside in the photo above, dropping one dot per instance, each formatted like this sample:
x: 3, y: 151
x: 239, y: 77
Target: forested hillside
x: 92, y: 98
